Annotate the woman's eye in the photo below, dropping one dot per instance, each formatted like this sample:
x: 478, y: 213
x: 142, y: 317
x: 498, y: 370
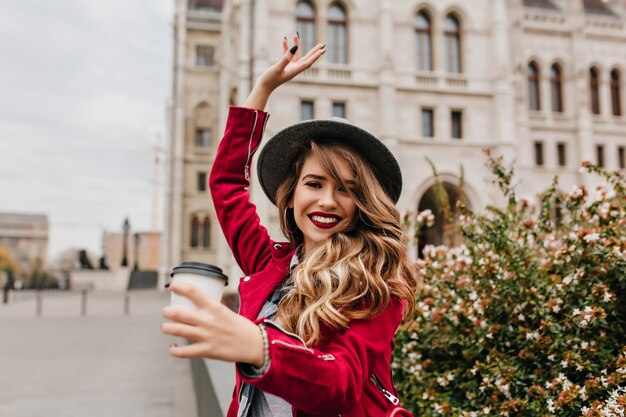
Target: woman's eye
x: 313, y: 184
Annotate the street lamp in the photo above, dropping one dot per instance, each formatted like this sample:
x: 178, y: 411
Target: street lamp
x: 136, y: 267
x: 125, y: 228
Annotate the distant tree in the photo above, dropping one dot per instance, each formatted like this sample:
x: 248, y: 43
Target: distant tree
x: 10, y: 266
x: 7, y: 261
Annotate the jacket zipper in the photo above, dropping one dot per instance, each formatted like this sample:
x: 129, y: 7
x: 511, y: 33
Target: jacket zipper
x: 277, y: 327
x: 281, y: 342
x: 246, y: 170
x: 394, y: 400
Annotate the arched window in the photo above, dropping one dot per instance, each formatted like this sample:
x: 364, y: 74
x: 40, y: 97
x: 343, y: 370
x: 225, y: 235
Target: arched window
x: 556, y: 88
x: 534, y: 91
x: 202, y: 118
x: 337, y: 35
x: 616, y: 94
x: 594, y: 90
x: 441, y: 199
x: 452, y: 34
x: 206, y: 233
x: 195, y: 232
x: 305, y: 25
x: 423, y: 42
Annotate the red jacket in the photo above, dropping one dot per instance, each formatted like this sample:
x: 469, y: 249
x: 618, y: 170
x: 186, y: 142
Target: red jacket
x: 317, y: 383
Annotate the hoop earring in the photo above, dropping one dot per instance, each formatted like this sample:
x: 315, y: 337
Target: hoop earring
x: 286, y: 222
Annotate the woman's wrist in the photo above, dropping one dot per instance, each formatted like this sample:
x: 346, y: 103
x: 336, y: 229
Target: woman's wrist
x: 258, y: 97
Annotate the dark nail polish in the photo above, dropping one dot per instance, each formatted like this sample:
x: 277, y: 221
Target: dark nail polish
x: 323, y: 46
x: 284, y: 37
x: 293, y: 49
x: 173, y: 345
x: 298, y: 34
x: 323, y: 52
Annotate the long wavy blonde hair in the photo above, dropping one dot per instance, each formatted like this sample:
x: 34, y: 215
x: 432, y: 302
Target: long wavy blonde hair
x: 353, y: 274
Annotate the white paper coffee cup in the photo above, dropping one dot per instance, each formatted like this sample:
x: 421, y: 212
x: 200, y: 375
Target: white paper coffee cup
x: 209, y: 278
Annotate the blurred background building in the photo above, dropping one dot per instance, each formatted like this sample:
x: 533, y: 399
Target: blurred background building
x: 26, y: 238
x: 143, y: 249
x: 538, y: 81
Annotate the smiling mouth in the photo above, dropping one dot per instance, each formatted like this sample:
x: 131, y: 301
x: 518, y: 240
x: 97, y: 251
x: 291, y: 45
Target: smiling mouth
x: 324, y: 221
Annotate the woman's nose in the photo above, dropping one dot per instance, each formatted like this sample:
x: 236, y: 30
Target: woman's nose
x: 327, y: 199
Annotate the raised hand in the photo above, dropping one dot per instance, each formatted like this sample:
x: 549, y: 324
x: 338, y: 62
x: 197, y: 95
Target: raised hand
x: 214, y: 330
x: 290, y: 64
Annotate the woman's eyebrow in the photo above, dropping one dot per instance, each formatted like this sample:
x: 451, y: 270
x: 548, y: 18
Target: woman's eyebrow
x: 351, y: 183
x: 314, y: 176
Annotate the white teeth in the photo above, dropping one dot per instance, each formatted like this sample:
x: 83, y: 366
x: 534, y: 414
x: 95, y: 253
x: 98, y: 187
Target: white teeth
x: 326, y: 220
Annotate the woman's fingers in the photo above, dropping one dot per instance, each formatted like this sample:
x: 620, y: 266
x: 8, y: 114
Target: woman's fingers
x: 313, y: 55
x: 285, y: 44
x: 194, y: 350
x: 185, y: 331
x: 182, y: 315
x: 296, y: 41
x: 193, y: 293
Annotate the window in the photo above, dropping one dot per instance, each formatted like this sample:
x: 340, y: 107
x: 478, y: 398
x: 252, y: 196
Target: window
x: 306, y: 110
x: 339, y: 110
x: 206, y: 233
x: 202, y: 182
x: 594, y: 87
x: 556, y: 88
x: 200, y: 231
x: 195, y: 231
x: 452, y: 34
x: 600, y: 156
x: 428, y: 123
x: 534, y: 92
x: 616, y: 99
x: 205, y: 56
x: 621, y: 161
x: 305, y: 25
x: 206, y: 4
x: 337, y: 35
x: 561, y: 155
x: 457, y: 124
x: 423, y: 42
x: 539, y: 154
x: 558, y: 212
x: 203, y: 138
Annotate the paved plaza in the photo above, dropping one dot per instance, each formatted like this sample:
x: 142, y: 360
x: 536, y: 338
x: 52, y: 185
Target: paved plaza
x: 105, y: 363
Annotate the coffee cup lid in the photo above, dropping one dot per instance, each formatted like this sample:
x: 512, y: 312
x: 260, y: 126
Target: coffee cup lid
x: 201, y: 269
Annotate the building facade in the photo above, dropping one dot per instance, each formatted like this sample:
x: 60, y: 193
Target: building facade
x: 142, y: 249
x: 538, y: 81
x: 26, y: 237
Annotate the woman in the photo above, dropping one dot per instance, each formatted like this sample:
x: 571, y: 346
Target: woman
x: 314, y: 334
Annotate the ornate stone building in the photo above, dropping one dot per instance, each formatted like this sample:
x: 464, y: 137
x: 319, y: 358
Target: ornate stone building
x: 26, y: 237
x: 539, y: 81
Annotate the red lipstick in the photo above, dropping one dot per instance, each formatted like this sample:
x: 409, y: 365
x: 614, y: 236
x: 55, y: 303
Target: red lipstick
x: 324, y: 220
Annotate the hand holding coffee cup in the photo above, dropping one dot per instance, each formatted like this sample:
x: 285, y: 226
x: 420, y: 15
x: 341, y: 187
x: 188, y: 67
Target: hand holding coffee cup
x: 209, y: 278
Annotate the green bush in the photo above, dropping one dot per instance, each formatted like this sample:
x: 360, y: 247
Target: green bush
x: 528, y: 316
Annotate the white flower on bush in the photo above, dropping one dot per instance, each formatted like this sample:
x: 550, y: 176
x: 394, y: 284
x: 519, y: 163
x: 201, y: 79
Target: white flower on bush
x: 532, y: 336
x: 576, y: 192
x: 426, y: 217
x: 591, y: 237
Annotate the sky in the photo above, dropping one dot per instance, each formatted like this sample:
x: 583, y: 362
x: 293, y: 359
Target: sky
x: 84, y: 86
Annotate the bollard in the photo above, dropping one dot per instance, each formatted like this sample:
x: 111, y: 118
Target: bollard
x: 126, y: 304
x: 83, y: 303
x: 39, y: 302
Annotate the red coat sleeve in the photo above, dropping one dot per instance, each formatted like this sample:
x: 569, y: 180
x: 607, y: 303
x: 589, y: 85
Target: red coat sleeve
x: 329, y: 381
x: 249, y: 241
